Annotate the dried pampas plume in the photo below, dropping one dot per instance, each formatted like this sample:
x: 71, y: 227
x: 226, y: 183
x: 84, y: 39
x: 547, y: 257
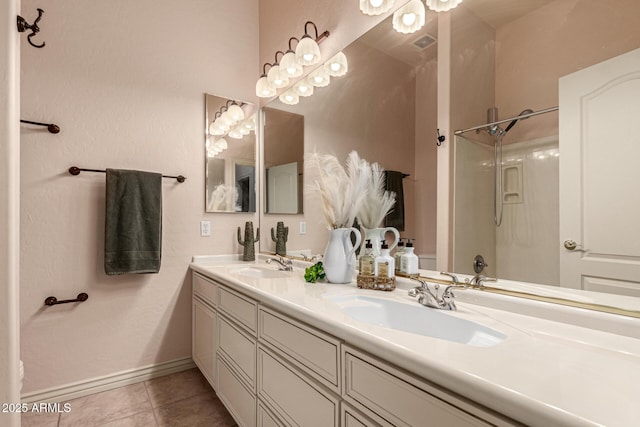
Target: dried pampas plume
x: 378, y: 202
x: 342, y: 189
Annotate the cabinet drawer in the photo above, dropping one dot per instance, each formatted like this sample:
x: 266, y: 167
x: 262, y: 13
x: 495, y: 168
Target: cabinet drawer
x: 239, y: 401
x: 314, y: 352
x: 266, y: 417
x: 395, y: 400
x: 203, y: 331
x: 240, y: 308
x: 205, y: 288
x: 350, y: 417
x: 239, y: 349
x: 294, y: 398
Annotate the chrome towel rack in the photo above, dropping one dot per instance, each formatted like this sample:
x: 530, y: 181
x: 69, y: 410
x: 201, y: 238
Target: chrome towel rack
x: 74, y: 170
x: 53, y: 300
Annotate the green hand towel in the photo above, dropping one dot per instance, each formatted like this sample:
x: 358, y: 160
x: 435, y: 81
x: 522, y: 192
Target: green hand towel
x: 133, y: 222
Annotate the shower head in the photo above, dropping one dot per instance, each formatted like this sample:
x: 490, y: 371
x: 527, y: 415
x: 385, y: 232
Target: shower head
x: 513, y: 122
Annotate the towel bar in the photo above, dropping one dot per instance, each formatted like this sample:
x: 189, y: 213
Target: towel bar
x: 53, y: 300
x: 74, y: 170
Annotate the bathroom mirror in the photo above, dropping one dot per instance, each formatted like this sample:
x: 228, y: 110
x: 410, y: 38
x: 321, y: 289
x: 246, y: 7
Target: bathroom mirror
x: 340, y: 118
x: 230, y: 155
x: 503, y: 53
x: 283, y: 136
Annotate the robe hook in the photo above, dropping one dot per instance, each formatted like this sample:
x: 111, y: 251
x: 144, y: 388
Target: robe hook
x: 23, y: 26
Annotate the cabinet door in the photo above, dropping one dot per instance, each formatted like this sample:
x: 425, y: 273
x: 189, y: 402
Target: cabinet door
x: 203, y: 346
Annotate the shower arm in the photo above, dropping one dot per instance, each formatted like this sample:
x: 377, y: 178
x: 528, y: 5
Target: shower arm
x: 521, y: 116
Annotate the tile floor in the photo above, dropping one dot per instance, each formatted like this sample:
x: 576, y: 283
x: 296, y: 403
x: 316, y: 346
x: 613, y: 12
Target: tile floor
x: 183, y: 399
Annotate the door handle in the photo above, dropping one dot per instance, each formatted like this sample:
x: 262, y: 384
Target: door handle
x: 570, y: 244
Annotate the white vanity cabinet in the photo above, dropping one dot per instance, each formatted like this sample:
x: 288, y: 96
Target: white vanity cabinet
x: 272, y: 369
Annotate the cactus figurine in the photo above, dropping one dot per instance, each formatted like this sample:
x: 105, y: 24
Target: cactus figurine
x: 280, y: 237
x: 249, y: 253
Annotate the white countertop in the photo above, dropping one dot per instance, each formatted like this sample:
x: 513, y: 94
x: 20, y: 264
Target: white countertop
x: 545, y: 373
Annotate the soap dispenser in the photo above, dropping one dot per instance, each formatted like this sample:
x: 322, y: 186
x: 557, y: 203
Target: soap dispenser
x: 384, y: 264
x: 366, y: 260
x: 409, y: 260
x: 398, y: 254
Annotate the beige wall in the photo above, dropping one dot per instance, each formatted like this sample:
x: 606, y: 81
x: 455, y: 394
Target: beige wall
x: 125, y: 81
x: 9, y: 209
x: 534, y: 51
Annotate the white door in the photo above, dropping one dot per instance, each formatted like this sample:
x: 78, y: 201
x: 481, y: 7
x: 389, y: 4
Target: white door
x: 282, y: 188
x: 600, y: 177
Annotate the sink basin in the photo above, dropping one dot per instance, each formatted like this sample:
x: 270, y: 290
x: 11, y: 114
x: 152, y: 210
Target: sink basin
x: 417, y: 319
x: 261, y: 272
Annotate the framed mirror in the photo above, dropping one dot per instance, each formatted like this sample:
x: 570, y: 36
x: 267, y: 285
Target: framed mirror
x: 230, y: 155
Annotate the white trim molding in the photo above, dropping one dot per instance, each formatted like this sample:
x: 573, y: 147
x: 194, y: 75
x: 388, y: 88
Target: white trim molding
x: 108, y: 382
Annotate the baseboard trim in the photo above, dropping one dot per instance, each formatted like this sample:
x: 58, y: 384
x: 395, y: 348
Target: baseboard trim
x: 95, y: 385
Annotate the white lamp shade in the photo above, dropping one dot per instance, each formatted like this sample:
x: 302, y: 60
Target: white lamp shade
x: 375, y: 7
x: 289, y: 64
x: 319, y: 77
x: 216, y: 129
x: 236, y: 112
x: 250, y: 123
x: 442, y: 5
x: 221, y: 144
x: 277, y: 77
x: 264, y: 89
x: 303, y: 88
x: 409, y: 18
x: 307, y: 51
x: 337, y: 66
x: 290, y: 97
x: 235, y: 134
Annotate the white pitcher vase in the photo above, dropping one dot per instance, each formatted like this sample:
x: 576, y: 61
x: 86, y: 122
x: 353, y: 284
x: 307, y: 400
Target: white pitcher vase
x: 376, y: 235
x: 339, y: 260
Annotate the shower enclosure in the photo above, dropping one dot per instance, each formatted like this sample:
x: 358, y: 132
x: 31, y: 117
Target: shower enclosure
x: 522, y: 190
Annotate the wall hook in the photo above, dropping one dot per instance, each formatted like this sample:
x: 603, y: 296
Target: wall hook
x: 23, y: 26
x: 441, y: 138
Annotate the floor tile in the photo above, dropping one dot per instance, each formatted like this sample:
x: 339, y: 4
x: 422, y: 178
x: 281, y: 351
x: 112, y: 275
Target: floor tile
x: 39, y: 419
x: 178, y: 386
x: 204, y: 410
x: 100, y: 408
x: 143, y: 419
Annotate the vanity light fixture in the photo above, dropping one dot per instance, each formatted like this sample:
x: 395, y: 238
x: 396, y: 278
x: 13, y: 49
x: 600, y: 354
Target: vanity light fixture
x: 442, y: 5
x: 375, y: 7
x: 290, y: 97
x: 409, y: 18
x: 337, y: 66
x: 288, y: 62
x: 278, y: 76
x: 264, y: 89
x: 307, y: 50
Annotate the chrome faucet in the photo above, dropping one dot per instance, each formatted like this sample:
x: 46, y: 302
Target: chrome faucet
x: 433, y: 299
x: 478, y: 280
x: 285, y: 263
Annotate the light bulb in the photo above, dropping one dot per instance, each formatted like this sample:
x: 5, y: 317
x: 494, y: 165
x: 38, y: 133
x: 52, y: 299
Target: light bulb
x: 307, y: 51
x: 264, y: 89
x: 409, y: 18
x: 290, y: 97
x: 337, y: 66
x: 302, y: 88
x: 375, y: 7
x: 319, y: 77
x: 277, y: 77
x: 290, y: 65
x: 442, y: 5
x: 236, y: 112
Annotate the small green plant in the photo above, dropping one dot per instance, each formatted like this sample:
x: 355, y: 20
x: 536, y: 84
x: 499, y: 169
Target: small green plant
x: 314, y: 273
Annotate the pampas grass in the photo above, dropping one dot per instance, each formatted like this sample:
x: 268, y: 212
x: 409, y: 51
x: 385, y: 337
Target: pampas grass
x: 378, y: 202
x: 342, y: 189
